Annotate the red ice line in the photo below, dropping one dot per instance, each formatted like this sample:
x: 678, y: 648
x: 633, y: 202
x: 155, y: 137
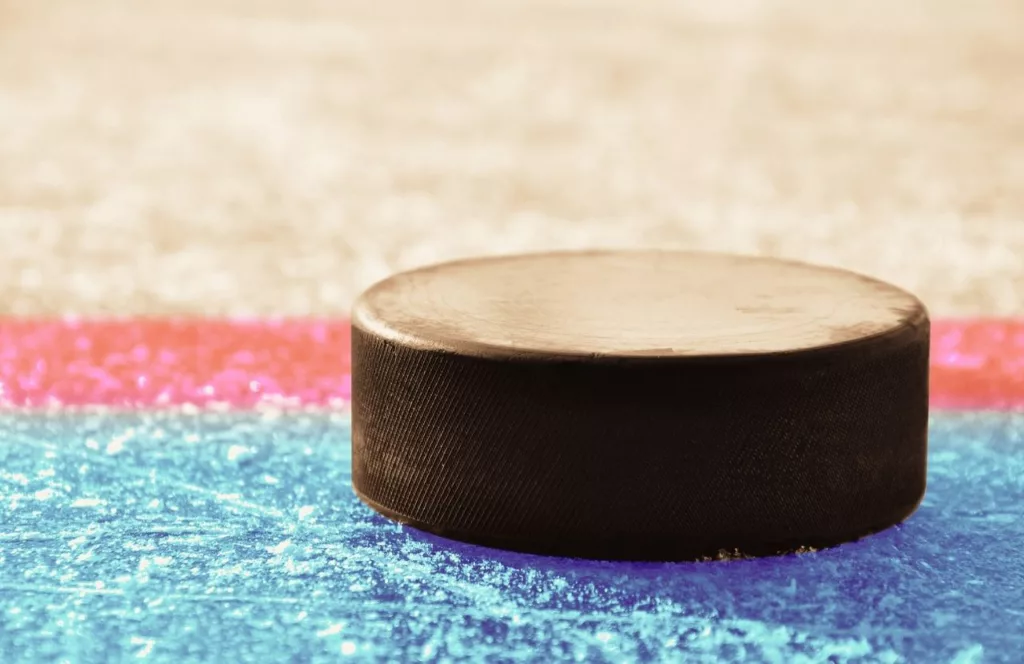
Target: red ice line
x: 147, y: 363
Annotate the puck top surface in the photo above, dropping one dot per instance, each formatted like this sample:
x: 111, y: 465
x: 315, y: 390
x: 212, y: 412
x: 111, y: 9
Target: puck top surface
x: 631, y: 304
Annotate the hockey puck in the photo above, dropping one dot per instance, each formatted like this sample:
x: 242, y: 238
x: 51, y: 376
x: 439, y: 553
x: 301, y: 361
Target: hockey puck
x: 640, y: 405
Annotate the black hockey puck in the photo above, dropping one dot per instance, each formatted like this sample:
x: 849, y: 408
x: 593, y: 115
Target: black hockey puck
x: 640, y: 405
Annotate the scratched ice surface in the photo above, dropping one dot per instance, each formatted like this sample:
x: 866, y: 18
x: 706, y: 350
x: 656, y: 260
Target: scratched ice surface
x: 236, y: 538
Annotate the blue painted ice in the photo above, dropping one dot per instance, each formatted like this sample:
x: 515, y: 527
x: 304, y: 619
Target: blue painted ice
x: 236, y: 538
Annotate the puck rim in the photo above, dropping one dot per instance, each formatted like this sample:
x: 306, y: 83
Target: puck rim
x: 365, y: 318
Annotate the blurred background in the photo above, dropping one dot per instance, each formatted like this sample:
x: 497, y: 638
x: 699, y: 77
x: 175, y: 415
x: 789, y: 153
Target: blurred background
x: 277, y: 156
